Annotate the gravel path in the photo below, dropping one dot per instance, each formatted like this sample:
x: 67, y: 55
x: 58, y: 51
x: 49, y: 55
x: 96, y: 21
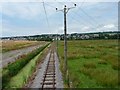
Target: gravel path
x: 36, y: 83
x: 12, y: 55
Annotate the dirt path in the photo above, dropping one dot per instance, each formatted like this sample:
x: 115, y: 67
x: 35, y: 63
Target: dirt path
x: 12, y: 55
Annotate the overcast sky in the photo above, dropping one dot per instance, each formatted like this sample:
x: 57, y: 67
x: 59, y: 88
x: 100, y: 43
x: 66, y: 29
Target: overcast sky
x: 28, y: 18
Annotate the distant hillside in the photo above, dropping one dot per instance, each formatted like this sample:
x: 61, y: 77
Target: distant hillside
x: 73, y: 36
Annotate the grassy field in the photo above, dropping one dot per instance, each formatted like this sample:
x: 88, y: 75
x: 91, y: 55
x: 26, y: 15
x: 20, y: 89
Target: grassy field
x: 91, y: 63
x: 13, y: 45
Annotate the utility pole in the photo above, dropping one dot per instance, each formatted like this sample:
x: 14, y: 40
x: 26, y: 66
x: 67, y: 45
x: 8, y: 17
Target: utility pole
x: 65, y: 11
x: 57, y: 43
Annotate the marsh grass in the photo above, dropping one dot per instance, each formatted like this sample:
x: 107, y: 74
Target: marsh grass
x: 105, y: 78
x: 102, y: 62
x: 91, y: 63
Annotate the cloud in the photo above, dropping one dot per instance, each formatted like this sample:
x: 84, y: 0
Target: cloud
x: 86, y: 28
x: 28, y: 10
x: 109, y: 26
x: 22, y: 10
x: 17, y: 14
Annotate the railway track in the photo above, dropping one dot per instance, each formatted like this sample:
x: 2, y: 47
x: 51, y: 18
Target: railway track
x: 49, y: 77
x: 48, y: 74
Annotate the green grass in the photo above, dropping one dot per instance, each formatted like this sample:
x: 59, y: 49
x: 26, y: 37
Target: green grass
x: 20, y: 79
x: 91, y: 63
x: 14, y: 68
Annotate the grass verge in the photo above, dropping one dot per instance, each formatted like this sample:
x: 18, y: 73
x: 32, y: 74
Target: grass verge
x: 14, y: 68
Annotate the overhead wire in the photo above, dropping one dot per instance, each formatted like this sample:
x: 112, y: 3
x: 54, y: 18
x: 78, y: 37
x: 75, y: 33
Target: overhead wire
x: 83, y: 18
x: 92, y: 19
x: 80, y: 7
x: 77, y: 21
x: 71, y: 16
x: 82, y: 3
x: 78, y: 15
x: 50, y: 5
x: 46, y: 14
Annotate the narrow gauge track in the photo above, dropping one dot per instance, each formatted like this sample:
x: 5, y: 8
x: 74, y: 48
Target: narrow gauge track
x: 48, y: 74
x: 49, y: 80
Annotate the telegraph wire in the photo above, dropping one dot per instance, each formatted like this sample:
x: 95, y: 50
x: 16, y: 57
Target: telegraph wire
x: 46, y: 14
x: 72, y: 17
x: 50, y: 5
x: 83, y: 19
x: 80, y: 7
x: 92, y: 19
x: 80, y: 16
x: 82, y: 3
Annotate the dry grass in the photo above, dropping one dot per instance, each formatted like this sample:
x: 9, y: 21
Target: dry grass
x: 102, y: 62
x: 90, y: 65
x: 13, y: 45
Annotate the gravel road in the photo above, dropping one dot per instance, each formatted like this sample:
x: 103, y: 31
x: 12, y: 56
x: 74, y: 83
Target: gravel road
x: 12, y: 55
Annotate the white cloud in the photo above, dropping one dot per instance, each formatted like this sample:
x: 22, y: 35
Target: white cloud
x: 22, y: 10
x: 28, y: 10
x: 86, y: 28
x: 75, y: 28
x: 109, y: 26
x: 32, y: 10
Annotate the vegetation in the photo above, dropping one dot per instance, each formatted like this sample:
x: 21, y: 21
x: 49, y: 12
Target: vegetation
x: 91, y: 63
x: 19, y: 80
x: 14, y: 45
x: 13, y: 68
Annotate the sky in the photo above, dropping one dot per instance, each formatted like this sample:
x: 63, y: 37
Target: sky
x: 29, y: 18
